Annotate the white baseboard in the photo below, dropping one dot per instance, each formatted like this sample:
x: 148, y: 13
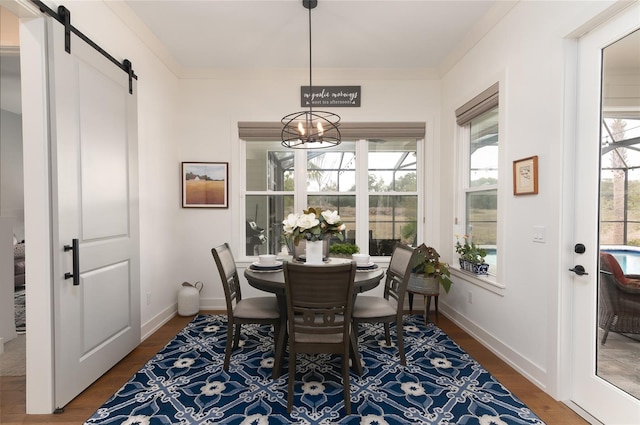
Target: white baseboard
x: 214, y: 303
x: 521, y: 364
x: 157, y: 321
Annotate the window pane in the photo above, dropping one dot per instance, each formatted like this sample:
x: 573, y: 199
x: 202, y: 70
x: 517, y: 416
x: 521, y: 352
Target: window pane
x: 346, y: 207
x: 482, y: 220
x: 633, y: 195
x: 332, y: 170
x: 265, y: 214
x: 612, y: 233
x: 392, y: 219
x: 269, y: 167
x: 392, y: 165
x: 483, y: 161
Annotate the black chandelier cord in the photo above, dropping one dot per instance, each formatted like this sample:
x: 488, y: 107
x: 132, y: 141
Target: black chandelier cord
x: 299, y: 130
x: 64, y: 17
x: 310, y: 67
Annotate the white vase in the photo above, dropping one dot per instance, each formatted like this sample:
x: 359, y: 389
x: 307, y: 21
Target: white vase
x: 314, y: 252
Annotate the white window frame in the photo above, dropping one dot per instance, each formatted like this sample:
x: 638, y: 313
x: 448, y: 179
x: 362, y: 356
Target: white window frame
x: 300, y: 194
x: 491, y: 282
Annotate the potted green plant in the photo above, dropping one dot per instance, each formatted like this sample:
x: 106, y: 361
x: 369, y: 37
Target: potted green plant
x: 471, y: 256
x: 343, y: 249
x: 427, y: 265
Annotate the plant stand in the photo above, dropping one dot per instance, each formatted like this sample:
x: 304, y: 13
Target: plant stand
x: 427, y: 287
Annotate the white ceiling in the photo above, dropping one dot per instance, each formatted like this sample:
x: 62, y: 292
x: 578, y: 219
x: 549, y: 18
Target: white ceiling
x: 245, y: 34
x: 426, y: 35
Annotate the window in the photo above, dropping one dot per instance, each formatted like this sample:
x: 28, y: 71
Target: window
x: 479, y: 121
x: 371, y: 182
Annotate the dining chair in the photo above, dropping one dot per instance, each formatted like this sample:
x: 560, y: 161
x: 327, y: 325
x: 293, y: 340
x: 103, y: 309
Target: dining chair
x: 255, y: 310
x: 388, y: 308
x: 319, y: 304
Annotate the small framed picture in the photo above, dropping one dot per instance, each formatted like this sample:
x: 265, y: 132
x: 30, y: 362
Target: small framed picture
x: 525, y: 176
x: 205, y: 185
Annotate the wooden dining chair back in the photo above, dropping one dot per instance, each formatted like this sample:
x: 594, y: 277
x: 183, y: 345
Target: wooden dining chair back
x: 258, y: 310
x: 319, y: 304
x: 389, y: 308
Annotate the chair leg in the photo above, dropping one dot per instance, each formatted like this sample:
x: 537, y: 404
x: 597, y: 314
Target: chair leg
x: 356, y: 362
x: 387, y: 334
x: 400, y: 336
x: 345, y: 383
x: 236, y: 338
x: 292, y: 377
x: 228, y: 347
x: 606, y: 329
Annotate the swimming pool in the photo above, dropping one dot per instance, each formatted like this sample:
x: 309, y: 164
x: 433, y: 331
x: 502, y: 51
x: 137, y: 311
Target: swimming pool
x: 628, y: 257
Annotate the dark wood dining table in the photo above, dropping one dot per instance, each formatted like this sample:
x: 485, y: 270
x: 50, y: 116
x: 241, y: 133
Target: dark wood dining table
x: 273, y: 282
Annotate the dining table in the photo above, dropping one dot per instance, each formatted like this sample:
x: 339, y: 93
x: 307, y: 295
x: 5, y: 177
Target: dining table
x: 273, y: 281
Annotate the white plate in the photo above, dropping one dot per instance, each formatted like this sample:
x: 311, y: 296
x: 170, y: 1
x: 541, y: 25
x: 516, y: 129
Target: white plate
x: 366, y: 265
x: 259, y: 264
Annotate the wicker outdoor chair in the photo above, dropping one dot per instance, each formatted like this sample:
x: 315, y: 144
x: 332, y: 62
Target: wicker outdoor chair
x: 619, y: 301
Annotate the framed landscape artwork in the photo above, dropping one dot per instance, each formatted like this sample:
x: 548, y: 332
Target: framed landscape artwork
x: 205, y: 185
x: 525, y: 176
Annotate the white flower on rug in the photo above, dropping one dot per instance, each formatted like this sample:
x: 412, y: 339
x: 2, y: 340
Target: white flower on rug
x: 441, y: 363
x: 183, y: 363
x: 137, y: 420
x: 267, y: 363
x: 411, y: 328
x: 212, y: 328
x: 412, y: 388
x: 213, y: 388
x: 491, y: 420
x: 255, y: 420
x: 373, y: 420
x: 313, y: 388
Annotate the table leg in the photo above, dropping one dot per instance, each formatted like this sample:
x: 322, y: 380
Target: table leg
x: 282, y: 337
x: 410, y: 302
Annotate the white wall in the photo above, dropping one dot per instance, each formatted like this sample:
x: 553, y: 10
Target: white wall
x: 526, y: 53
x: 211, y: 109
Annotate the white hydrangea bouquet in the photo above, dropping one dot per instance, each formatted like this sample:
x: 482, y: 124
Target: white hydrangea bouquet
x: 313, y: 225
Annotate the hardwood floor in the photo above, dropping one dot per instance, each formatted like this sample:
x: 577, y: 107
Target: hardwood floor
x: 12, y: 389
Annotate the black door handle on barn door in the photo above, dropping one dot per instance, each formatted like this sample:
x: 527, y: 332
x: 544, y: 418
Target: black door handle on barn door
x: 75, y: 247
x: 579, y: 270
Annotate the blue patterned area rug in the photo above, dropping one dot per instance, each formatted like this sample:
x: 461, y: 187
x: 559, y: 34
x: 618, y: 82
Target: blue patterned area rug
x: 185, y: 384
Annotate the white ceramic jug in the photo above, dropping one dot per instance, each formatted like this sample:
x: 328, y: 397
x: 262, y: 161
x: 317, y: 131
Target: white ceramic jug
x: 189, y: 298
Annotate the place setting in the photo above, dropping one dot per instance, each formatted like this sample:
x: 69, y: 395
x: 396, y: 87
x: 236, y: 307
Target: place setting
x: 363, y: 263
x: 266, y: 263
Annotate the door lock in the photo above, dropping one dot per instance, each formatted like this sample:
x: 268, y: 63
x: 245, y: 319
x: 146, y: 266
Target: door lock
x: 579, y: 248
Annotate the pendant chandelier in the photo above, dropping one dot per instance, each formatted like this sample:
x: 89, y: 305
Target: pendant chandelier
x: 310, y: 129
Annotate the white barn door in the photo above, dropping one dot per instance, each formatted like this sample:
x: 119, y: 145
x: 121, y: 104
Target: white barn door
x: 95, y: 201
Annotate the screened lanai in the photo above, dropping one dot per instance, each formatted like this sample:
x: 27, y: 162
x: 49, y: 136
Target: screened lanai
x: 620, y: 180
